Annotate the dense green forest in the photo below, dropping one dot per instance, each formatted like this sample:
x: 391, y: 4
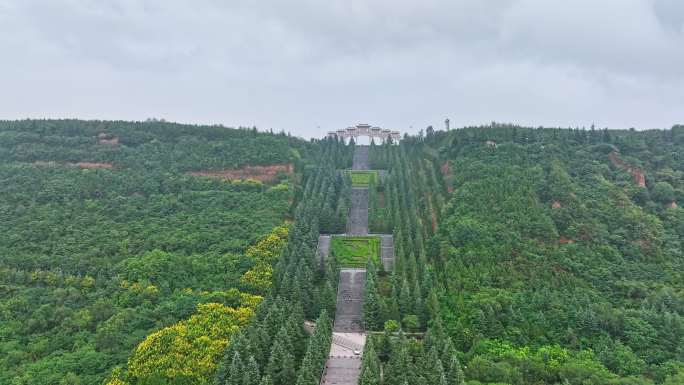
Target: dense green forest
x: 94, y: 258
x: 275, y: 349
x: 522, y: 256
x: 264, y: 340
x: 541, y: 256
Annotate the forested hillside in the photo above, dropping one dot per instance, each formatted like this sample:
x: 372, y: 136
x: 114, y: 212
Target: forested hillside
x: 557, y: 257
x: 105, y: 237
x: 155, y: 253
x: 274, y: 347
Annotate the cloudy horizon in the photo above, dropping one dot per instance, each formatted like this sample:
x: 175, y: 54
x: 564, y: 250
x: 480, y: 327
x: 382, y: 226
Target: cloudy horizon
x: 307, y: 67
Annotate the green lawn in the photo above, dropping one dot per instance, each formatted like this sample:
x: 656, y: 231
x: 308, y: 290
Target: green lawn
x: 363, y: 178
x: 355, y: 251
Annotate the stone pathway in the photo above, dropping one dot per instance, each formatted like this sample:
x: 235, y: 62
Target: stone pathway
x: 360, y: 160
x: 349, y: 311
x: 357, y: 223
x: 387, y: 251
x: 344, y: 361
x: 323, y: 248
x: 342, y: 371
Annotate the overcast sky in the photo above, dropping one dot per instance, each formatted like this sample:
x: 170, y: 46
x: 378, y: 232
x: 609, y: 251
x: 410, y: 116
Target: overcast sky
x: 297, y: 65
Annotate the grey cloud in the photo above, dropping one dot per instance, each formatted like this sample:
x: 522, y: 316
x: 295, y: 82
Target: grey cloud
x: 671, y: 14
x: 301, y: 64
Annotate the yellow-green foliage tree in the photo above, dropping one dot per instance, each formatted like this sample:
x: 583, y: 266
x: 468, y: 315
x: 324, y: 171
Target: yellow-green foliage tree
x: 264, y: 254
x: 270, y: 247
x: 258, y: 278
x: 187, y: 352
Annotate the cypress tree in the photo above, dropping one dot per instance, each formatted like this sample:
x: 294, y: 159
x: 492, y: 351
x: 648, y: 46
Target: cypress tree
x: 397, y: 369
x: 222, y: 370
x: 433, y: 366
x: 369, y: 378
x: 371, y: 305
x: 295, y: 331
x: 441, y: 376
x: 405, y: 299
x: 454, y: 373
x: 329, y: 298
x: 275, y: 361
x: 305, y: 376
x: 370, y: 372
x: 287, y: 374
x: 236, y: 371
x: 251, y: 375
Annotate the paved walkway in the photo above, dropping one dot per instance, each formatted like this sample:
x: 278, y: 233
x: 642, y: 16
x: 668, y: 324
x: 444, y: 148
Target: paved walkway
x: 323, y: 248
x: 349, y: 312
x: 347, y: 344
x: 360, y: 160
x: 387, y: 251
x: 344, y: 361
x: 342, y: 371
x: 357, y: 223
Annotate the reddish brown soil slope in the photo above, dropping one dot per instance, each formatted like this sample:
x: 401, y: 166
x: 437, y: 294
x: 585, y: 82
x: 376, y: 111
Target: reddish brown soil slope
x: 260, y: 173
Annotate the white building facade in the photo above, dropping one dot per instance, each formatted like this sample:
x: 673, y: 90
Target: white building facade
x: 383, y: 134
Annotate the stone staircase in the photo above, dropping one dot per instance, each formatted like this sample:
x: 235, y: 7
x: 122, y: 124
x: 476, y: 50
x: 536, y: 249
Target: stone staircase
x: 343, y: 366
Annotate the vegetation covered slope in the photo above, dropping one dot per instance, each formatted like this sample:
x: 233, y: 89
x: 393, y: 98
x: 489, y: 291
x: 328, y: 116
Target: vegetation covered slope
x: 261, y: 342
x: 95, y: 256
x: 552, y: 263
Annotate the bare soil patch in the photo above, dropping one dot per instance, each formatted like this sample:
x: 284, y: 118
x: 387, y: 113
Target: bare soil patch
x: 637, y: 173
x: 446, y: 172
x: 260, y: 173
x: 107, y: 139
x: 76, y: 164
x: 93, y: 165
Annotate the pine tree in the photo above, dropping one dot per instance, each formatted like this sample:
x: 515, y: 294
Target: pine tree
x: 433, y: 366
x: 441, y: 376
x: 371, y: 305
x: 405, y: 299
x: 236, y: 371
x: 275, y: 361
x: 369, y: 378
x: 287, y: 374
x: 262, y: 346
x: 455, y: 373
x: 419, y: 306
x: 251, y: 375
x: 295, y: 331
x: 305, y: 376
x: 328, y: 298
x: 235, y: 346
x: 370, y: 371
x: 222, y: 370
x: 385, y: 349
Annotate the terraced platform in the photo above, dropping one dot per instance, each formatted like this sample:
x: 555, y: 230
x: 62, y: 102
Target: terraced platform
x: 344, y: 361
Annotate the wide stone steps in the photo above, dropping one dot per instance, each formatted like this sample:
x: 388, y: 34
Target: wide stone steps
x: 349, y: 311
x: 342, y: 371
x: 344, y: 362
x: 360, y: 160
x: 346, y: 343
x: 357, y: 222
